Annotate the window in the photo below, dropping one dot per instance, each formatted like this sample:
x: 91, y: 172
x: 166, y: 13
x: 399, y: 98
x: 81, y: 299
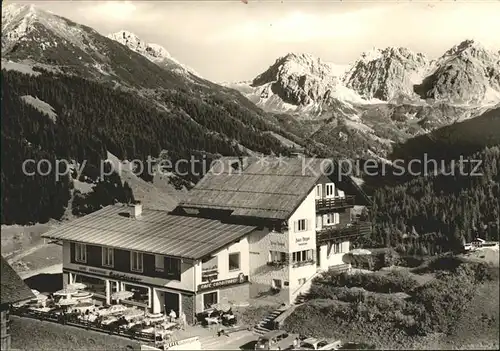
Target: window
x: 136, y: 261
x: 329, y: 219
x: 277, y: 256
x: 337, y: 248
x: 319, y: 192
x: 173, y: 268
x: 81, y: 253
x: 332, y: 218
x: 302, y: 256
x: 330, y: 190
x: 234, y: 261
x: 302, y: 281
x: 141, y: 294
x: 107, y: 257
x: 210, y: 299
x: 301, y: 225
x: 113, y: 286
x: 276, y: 284
x: 159, y: 263
x: 94, y: 285
x: 319, y: 222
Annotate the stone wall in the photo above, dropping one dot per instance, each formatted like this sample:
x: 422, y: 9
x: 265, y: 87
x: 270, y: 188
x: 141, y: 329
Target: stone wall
x: 188, y: 307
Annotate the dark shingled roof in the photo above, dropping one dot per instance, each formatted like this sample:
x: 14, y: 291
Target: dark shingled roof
x: 267, y: 188
x: 14, y: 289
x: 155, y: 231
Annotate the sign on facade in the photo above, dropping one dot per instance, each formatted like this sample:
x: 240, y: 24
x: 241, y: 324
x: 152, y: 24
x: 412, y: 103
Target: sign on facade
x: 226, y: 282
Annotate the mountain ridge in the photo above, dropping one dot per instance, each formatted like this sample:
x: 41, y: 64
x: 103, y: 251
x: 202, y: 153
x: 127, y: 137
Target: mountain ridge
x: 153, y: 52
x: 393, y: 74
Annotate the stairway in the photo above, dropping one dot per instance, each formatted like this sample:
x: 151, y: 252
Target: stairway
x: 267, y: 324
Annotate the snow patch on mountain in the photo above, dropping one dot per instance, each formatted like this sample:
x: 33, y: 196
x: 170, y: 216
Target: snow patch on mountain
x: 301, y: 84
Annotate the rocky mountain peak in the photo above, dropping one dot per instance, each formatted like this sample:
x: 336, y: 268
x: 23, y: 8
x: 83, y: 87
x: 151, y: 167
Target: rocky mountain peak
x: 153, y: 52
x: 18, y: 20
x: 299, y: 79
x: 386, y: 74
x: 294, y: 64
x: 466, y: 73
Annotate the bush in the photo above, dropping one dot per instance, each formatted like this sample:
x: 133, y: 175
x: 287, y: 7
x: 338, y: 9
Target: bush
x: 390, y: 283
x: 444, y: 300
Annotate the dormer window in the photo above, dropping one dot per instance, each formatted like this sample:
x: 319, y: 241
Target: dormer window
x: 330, y: 189
x: 319, y: 191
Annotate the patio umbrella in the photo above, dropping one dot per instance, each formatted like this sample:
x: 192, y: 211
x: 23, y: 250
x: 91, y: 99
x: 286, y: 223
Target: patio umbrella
x: 222, y: 306
x: 65, y: 292
x: 76, y: 286
x: 132, y: 313
x: 67, y: 302
x: 82, y: 295
x: 360, y: 252
x: 41, y: 297
x: 122, y: 295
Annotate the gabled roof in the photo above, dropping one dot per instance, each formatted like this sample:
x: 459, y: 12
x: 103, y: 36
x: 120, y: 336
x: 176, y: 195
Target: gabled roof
x: 270, y: 188
x: 156, y: 231
x: 14, y: 289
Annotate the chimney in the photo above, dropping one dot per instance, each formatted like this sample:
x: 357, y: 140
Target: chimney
x: 136, y: 210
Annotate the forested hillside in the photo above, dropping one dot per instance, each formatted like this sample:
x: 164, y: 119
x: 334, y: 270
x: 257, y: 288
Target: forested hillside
x: 92, y: 118
x: 435, y: 213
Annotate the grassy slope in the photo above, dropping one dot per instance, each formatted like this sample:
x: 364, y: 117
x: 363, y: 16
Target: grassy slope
x: 477, y: 328
x: 51, y: 336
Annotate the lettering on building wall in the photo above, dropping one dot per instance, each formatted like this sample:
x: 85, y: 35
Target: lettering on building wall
x: 124, y: 277
x: 277, y: 243
x: 254, y: 253
x: 302, y: 241
x: 226, y: 282
x: 98, y: 271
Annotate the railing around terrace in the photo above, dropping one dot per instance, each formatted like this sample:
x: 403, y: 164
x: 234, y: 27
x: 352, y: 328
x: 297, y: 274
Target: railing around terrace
x: 334, y: 202
x: 355, y: 229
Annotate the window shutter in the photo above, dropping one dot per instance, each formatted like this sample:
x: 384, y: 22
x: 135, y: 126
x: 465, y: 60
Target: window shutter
x: 296, y: 226
x: 306, y: 224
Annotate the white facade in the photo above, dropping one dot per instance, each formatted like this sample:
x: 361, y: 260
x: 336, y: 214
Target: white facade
x: 306, y: 259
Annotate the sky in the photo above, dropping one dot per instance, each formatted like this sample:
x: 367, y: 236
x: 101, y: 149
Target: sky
x: 229, y: 40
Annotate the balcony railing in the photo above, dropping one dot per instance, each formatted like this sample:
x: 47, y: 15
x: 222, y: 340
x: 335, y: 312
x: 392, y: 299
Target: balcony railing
x: 277, y: 264
x: 303, y: 263
x: 334, y: 202
x: 355, y: 229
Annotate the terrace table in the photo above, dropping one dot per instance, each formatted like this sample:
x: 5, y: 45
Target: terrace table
x: 109, y: 320
x: 169, y: 325
x: 159, y: 332
x: 41, y: 309
x: 212, y: 320
x: 132, y: 313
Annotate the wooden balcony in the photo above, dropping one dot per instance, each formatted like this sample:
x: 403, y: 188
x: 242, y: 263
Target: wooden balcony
x: 334, y: 233
x: 327, y: 204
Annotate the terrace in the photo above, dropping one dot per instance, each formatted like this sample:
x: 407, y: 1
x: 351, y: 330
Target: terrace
x: 326, y: 204
x: 337, y: 232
